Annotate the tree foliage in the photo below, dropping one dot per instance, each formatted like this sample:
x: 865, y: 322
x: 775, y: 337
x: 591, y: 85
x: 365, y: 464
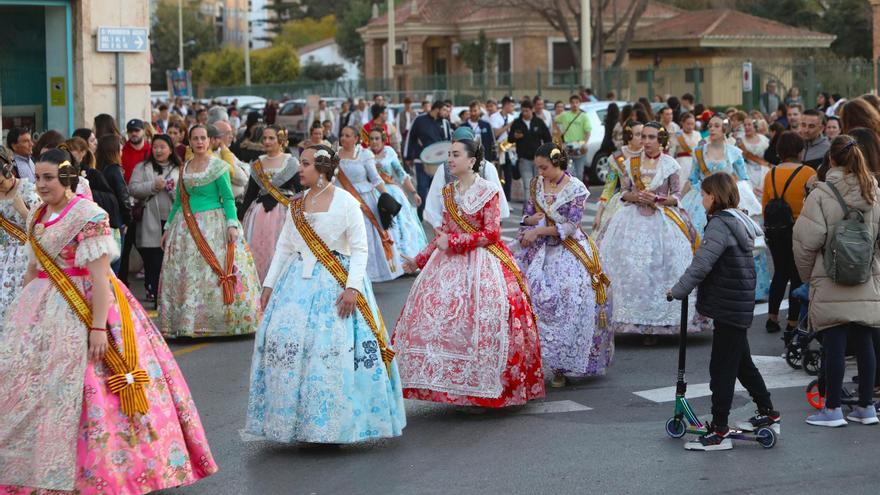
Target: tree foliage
x: 356, y: 15
x: 319, y: 71
x: 198, y: 37
x: 479, y: 54
x: 275, y: 64
x: 302, y: 32
x: 284, y: 11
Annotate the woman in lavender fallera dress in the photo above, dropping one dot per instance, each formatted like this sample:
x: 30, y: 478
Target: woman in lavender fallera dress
x: 564, y: 274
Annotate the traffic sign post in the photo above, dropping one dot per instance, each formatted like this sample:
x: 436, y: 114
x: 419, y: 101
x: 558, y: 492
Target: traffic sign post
x: 747, y: 77
x: 121, y: 40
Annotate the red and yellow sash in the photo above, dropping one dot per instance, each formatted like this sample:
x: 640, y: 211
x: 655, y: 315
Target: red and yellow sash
x: 267, y: 184
x: 387, y: 241
x: 127, y: 379
x: 598, y: 279
x: 683, y: 148
x: 13, y: 229
x: 494, y: 249
x: 635, y: 165
x: 323, y: 254
x: 226, y: 278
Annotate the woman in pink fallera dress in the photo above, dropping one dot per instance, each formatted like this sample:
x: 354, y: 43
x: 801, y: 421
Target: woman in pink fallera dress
x: 72, y: 421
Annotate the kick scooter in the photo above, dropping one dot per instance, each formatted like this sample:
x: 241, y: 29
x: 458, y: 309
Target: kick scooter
x: 685, y: 420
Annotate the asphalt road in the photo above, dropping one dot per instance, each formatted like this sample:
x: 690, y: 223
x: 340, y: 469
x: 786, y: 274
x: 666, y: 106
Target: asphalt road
x: 594, y: 436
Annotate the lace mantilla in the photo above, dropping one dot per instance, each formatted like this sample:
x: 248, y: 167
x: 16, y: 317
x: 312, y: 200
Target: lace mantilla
x: 666, y: 166
x: 473, y: 200
x: 215, y: 169
x: 573, y: 189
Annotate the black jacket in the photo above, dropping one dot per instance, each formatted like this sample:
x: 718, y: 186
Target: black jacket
x: 723, y: 270
x: 104, y: 196
x: 113, y: 174
x: 487, y: 138
x: 535, y: 134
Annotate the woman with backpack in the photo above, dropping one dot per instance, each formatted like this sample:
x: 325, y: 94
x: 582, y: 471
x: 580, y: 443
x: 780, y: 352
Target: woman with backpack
x: 782, y: 199
x: 835, y: 242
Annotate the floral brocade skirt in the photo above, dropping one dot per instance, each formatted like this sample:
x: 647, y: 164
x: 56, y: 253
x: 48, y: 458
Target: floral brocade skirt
x: 190, y: 296
x: 316, y: 377
x: 68, y: 434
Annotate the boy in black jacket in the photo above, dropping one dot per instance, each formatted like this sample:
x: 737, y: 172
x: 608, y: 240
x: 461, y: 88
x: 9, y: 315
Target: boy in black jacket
x: 723, y: 271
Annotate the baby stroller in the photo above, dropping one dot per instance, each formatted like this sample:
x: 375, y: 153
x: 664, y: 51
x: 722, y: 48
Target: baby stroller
x: 799, y: 353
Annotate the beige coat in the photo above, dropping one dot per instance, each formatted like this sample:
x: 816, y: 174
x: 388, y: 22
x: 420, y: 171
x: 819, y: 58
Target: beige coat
x: 832, y: 304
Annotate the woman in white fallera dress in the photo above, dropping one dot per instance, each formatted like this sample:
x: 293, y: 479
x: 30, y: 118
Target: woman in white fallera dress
x: 686, y: 142
x: 17, y: 197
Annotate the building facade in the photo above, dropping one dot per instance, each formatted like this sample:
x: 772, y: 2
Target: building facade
x: 51, y: 74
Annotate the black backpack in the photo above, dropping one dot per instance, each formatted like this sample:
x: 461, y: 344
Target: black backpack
x: 778, y: 218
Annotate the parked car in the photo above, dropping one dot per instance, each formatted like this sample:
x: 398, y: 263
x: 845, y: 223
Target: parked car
x: 241, y: 101
x: 292, y: 115
x: 599, y: 160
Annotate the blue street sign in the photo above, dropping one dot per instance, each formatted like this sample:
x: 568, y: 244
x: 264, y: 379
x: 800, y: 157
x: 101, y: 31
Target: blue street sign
x: 123, y: 39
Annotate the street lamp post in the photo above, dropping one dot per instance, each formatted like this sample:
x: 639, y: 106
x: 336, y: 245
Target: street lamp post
x: 247, y: 45
x: 391, y: 55
x: 586, y: 52
x: 180, y: 33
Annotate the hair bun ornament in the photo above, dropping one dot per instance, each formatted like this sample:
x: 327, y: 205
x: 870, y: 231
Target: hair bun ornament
x: 322, y: 154
x: 555, y: 153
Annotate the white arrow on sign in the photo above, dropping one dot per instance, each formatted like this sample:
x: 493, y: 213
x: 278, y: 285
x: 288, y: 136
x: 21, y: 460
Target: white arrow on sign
x: 139, y: 42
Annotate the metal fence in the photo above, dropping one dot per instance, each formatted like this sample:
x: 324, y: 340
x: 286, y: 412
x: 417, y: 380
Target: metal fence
x: 717, y: 84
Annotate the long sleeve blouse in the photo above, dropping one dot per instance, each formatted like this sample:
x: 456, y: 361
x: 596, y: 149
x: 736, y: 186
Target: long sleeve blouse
x: 208, y: 190
x: 341, y: 228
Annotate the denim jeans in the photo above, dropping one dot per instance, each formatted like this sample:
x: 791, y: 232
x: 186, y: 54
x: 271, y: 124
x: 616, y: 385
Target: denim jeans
x: 579, y: 164
x: 526, y: 172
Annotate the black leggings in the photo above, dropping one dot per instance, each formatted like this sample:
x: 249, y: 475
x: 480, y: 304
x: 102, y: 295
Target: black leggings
x: 784, y: 272
x: 834, y: 344
x: 732, y: 360
x: 152, y: 268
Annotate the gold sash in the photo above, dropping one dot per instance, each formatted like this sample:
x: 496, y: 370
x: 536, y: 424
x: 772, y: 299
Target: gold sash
x: 323, y: 254
x: 267, y: 184
x: 635, y: 165
x: 598, y: 279
x: 387, y: 241
x: 683, y: 148
x: 127, y: 379
x: 13, y: 229
x: 701, y: 161
x: 494, y: 249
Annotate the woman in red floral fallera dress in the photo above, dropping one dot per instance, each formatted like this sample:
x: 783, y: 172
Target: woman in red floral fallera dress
x: 467, y: 334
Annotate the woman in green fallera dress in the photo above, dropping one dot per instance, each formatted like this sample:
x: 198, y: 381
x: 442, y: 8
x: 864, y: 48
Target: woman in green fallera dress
x: 201, y: 292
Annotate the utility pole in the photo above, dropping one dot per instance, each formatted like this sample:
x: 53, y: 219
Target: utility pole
x: 586, y: 51
x: 180, y: 33
x: 247, y: 44
x: 392, y: 52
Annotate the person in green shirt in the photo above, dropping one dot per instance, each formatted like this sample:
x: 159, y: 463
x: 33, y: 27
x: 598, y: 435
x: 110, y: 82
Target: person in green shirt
x: 194, y: 300
x: 575, y: 128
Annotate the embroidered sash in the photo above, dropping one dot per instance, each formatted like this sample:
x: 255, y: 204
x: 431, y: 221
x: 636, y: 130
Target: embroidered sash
x: 323, y: 254
x: 226, y: 278
x: 494, y: 249
x: 387, y: 242
x: 748, y: 155
x: 635, y: 165
x: 683, y: 148
x: 620, y: 160
x: 127, y: 379
x: 701, y: 161
x: 598, y: 279
x: 13, y: 229
x: 276, y: 193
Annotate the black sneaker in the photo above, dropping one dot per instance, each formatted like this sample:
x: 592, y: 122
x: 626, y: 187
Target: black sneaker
x: 715, y: 439
x: 762, y: 419
x: 773, y: 326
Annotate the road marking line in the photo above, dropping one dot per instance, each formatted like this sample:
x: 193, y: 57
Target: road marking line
x: 188, y: 349
x: 776, y: 372
x: 764, y: 308
x: 553, y: 407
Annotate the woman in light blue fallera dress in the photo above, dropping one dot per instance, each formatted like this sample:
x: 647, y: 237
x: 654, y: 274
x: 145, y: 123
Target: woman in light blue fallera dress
x: 316, y: 376
x: 733, y: 164
x: 407, y: 231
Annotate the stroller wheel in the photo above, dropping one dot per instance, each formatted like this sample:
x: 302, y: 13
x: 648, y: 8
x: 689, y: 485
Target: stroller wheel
x: 811, y: 362
x: 814, y: 395
x: 793, y: 357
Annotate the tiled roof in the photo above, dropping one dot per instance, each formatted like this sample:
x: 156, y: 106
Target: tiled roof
x: 723, y: 24
x: 452, y: 11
